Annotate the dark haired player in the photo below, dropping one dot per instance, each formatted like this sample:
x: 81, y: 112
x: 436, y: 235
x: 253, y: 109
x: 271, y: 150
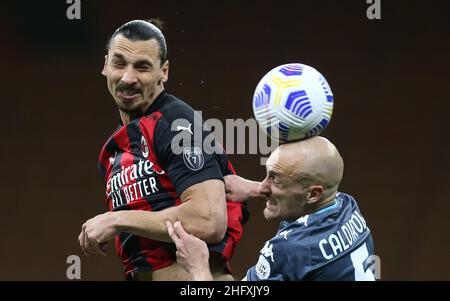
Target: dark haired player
x: 148, y: 180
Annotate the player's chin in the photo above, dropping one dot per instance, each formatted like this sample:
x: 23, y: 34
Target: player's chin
x: 271, y: 214
x: 127, y: 107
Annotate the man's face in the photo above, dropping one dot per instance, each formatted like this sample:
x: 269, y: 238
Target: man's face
x: 285, y: 195
x: 134, y: 73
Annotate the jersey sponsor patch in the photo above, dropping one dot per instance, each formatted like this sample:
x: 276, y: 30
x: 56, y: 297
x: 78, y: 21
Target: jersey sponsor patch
x: 193, y: 158
x: 262, y: 268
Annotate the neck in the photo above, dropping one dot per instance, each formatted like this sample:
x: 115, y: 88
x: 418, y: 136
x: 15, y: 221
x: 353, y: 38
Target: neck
x: 125, y: 117
x: 325, y: 202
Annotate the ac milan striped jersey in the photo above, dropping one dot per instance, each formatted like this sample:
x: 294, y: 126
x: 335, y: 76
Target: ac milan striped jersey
x: 148, y: 163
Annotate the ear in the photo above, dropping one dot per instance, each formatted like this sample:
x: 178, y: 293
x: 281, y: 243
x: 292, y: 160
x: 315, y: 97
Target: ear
x: 104, y: 66
x: 314, y: 194
x: 164, y: 76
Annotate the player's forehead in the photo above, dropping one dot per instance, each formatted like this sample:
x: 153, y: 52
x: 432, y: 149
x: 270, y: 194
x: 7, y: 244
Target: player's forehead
x: 131, y: 51
x: 278, y: 164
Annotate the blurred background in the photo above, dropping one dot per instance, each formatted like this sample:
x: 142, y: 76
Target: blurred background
x: 389, y: 78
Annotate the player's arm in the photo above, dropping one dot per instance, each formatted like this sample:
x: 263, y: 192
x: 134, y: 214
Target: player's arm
x: 202, y: 192
x: 202, y: 213
x: 240, y: 189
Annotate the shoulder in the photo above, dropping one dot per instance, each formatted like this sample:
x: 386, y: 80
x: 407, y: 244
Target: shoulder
x: 174, y: 116
x: 290, y: 241
x: 337, y: 232
x: 284, y: 257
x: 173, y: 108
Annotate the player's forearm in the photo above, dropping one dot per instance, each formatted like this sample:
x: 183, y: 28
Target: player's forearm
x: 151, y: 224
x: 250, y: 190
x: 146, y: 224
x: 253, y: 190
x: 240, y: 189
x: 203, y: 213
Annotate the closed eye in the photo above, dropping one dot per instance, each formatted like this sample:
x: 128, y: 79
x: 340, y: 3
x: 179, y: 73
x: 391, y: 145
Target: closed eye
x: 143, y: 65
x: 143, y: 68
x: 119, y: 64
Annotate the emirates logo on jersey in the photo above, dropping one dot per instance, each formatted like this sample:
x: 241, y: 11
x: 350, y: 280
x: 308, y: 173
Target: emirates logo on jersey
x: 133, y: 182
x: 144, y: 147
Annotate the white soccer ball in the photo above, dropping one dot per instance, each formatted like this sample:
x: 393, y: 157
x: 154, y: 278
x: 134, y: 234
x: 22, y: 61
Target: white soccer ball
x: 293, y: 102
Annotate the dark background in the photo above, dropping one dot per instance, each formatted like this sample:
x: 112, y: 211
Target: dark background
x: 390, y: 80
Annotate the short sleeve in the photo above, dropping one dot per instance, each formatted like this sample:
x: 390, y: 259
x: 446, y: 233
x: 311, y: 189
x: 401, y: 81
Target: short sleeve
x: 184, y: 152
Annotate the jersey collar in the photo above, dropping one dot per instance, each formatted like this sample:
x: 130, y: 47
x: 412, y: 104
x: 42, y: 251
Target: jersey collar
x: 155, y: 105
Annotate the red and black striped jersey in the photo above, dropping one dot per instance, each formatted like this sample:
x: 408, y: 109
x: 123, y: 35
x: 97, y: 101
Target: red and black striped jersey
x: 149, y: 162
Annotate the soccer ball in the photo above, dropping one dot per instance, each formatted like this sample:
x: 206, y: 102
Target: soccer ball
x: 293, y: 102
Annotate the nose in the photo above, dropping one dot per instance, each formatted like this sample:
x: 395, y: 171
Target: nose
x: 264, y: 187
x: 129, y: 77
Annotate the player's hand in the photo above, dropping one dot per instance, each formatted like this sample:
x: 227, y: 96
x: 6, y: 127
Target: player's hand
x: 96, y: 232
x: 238, y: 189
x: 89, y: 247
x: 192, y: 252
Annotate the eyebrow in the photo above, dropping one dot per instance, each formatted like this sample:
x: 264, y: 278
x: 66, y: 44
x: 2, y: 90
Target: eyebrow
x: 137, y: 63
x: 273, y: 173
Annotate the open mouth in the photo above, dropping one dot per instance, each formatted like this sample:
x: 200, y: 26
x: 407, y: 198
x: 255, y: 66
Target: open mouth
x: 270, y: 205
x: 128, y: 94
